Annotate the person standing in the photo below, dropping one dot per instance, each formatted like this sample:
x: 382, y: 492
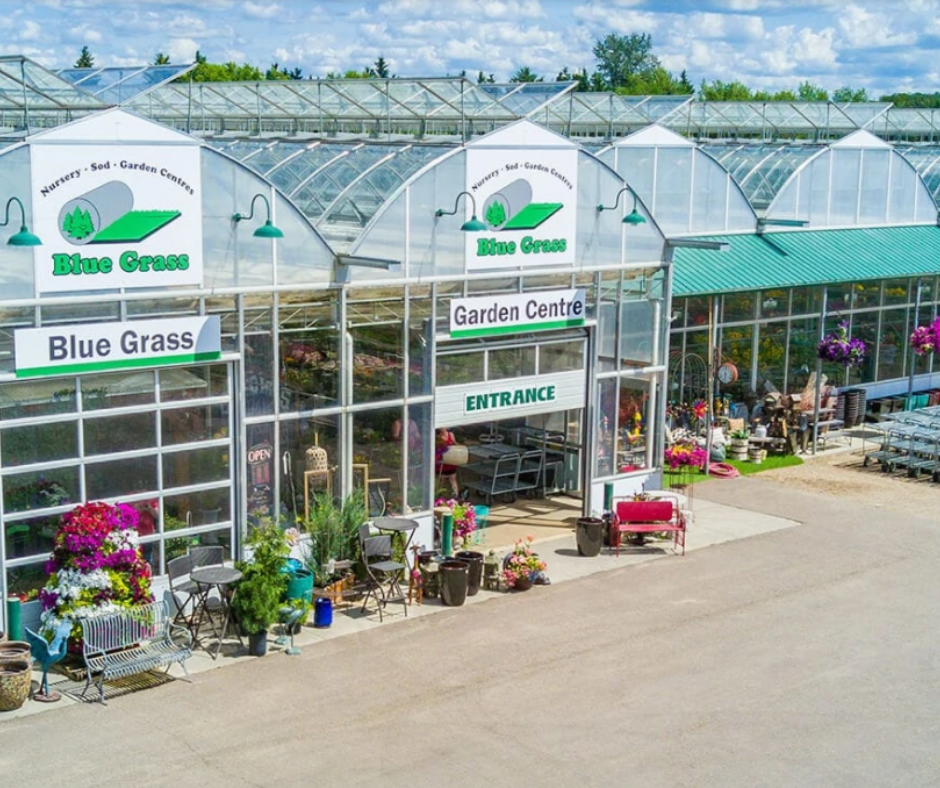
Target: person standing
x: 444, y: 438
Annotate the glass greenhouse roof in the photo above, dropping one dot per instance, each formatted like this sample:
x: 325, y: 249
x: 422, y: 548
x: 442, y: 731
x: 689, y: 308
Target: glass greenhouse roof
x: 761, y: 169
x: 119, y: 85
x: 926, y: 160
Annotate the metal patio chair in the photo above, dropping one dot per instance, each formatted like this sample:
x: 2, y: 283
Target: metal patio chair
x: 383, y: 575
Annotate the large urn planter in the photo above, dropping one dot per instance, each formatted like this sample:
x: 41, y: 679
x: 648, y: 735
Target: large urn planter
x: 590, y: 536
x: 14, y: 650
x: 454, y: 582
x: 475, y: 571
x: 16, y: 677
x: 522, y: 584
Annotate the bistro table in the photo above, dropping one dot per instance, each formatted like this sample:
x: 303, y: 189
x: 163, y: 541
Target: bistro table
x: 397, y: 525
x: 222, y: 578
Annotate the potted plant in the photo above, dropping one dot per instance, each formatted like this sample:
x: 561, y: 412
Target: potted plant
x: 841, y: 348
x: 334, y: 534
x: 257, y: 600
x: 522, y: 567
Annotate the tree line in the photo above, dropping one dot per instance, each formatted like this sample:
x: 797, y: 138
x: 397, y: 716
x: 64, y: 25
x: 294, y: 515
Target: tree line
x: 625, y: 64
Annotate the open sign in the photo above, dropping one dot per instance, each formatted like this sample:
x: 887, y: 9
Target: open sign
x: 260, y: 453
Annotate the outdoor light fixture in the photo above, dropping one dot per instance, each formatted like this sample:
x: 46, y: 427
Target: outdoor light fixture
x: 634, y: 217
x: 698, y: 243
x: 764, y: 222
x: 24, y: 237
x: 472, y: 225
x: 267, y: 230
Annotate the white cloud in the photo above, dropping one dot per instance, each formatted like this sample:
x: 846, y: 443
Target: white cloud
x: 862, y: 28
x: 182, y: 50
x: 261, y: 11
x: 30, y: 31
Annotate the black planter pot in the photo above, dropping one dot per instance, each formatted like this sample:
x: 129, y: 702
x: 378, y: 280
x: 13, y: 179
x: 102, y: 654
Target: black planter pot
x: 590, y: 536
x: 258, y: 644
x: 454, y: 581
x: 475, y: 573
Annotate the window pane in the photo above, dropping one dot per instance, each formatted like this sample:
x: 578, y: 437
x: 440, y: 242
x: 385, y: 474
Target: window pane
x: 309, y: 369
x: 30, y: 537
x: 121, y: 477
x: 606, y: 425
x: 38, y: 443
x: 561, y: 357
x: 36, y: 398
x: 23, y: 492
x: 737, y: 307
x: 377, y: 363
x: 199, y: 466
x: 193, y: 382
x: 632, y: 424
x: 120, y: 433
x: 377, y: 453
x: 117, y: 390
x: 194, y: 423
x: 459, y: 368
x: 511, y: 362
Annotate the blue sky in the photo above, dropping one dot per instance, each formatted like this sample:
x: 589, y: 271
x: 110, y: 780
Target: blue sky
x: 882, y: 45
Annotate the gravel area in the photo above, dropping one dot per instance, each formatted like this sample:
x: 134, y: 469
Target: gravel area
x: 843, y: 475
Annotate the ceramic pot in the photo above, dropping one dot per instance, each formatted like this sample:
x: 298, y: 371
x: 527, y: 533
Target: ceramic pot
x: 454, y: 582
x: 15, y: 680
x: 590, y: 536
x: 475, y: 573
x: 14, y: 650
x: 522, y: 584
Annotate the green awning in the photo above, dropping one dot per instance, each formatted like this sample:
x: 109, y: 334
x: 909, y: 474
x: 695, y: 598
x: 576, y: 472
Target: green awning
x: 807, y: 257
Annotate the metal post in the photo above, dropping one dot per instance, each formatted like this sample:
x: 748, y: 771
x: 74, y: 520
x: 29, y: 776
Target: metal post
x: 912, y: 356
x: 818, y: 394
x: 713, y: 356
x: 447, y: 534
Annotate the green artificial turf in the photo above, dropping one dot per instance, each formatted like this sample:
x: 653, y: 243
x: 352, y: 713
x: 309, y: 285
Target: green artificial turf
x: 744, y: 468
x: 532, y: 215
x: 135, y: 226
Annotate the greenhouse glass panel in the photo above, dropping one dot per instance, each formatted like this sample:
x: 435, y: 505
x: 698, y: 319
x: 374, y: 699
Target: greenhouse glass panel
x: 843, y: 200
x: 873, y: 200
x: 892, y: 349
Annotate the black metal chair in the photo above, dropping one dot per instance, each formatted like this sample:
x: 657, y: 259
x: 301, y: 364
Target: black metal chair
x: 183, y: 589
x: 383, y: 575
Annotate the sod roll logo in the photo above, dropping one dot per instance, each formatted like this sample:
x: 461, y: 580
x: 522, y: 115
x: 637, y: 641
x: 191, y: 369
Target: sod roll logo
x: 116, y: 217
x: 527, y: 201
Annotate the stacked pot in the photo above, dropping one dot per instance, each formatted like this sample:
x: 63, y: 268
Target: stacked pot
x: 16, y: 674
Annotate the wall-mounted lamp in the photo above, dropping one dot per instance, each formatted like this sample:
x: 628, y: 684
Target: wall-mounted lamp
x: 267, y: 230
x: 472, y: 225
x: 380, y: 263
x: 634, y: 217
x: 24, y: 237
x: 764, y: 222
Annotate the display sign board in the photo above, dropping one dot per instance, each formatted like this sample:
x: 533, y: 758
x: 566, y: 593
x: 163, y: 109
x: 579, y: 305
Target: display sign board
x: 527, y: 198
x: 516, y: 397
x: 511, y: 313
x: 93, y: 347
x: 116, y: 217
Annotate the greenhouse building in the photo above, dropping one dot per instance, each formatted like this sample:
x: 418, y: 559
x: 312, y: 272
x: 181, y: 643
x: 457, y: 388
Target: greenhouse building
x: 224, y: 299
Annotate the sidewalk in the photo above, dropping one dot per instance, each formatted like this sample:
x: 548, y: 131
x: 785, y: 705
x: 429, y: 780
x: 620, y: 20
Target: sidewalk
x: 713, y: 524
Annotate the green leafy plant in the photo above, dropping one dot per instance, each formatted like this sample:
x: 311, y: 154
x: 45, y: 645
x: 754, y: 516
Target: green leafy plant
x: 334, y: 532
x: 495, y: 214
x: 257, y: 600
x: 741, y: 435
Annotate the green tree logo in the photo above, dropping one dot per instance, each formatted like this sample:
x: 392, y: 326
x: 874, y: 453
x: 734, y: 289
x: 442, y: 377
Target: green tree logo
x: 78, y: 224
x: 495, y: 215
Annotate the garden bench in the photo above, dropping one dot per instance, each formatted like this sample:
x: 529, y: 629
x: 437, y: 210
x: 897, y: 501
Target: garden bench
x: 646, y: 517
x: 129, y: 641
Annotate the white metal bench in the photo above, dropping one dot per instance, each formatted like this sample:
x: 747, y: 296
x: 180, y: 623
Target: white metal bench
x: 130, y: 641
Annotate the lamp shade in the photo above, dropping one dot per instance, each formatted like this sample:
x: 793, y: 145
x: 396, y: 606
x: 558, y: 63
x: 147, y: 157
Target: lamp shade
x: 24, y: 238
x: 473, y: 225
x: 268, y: 230
x: 634, y: 218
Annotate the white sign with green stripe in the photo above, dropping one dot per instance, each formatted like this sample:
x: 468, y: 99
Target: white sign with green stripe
x: 512, y: 313
x: 93, y: 347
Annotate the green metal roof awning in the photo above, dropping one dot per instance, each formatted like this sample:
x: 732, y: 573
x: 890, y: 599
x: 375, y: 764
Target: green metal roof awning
x: 806, y: 257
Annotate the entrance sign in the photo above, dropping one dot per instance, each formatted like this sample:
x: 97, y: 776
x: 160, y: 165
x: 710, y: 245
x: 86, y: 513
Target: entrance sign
x: 509, y: 314
x: 514, y: 397
x: 116, y: 217
x: 527, y: 198
x: 93, y: 347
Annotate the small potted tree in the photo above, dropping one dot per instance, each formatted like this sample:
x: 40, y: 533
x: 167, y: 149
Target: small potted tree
x: 257, y: 599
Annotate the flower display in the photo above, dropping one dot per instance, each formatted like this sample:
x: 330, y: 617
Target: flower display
x: 96, y: 566
x: 522, y: 562
x: 926, y: 339
x: 700, y: 409
x: 841, y: 348
x: 685, y: 454
x: 465, y: 517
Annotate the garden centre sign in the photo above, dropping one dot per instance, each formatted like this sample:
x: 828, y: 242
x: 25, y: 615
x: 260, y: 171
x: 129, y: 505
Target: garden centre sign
x: 92, y: 347
x: 514, y: 312
x: 112, y: 217
x: 527, y: 198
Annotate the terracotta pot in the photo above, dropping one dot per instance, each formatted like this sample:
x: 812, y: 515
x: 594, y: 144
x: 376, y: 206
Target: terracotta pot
x: 14, y: 650
x: 522, y: 584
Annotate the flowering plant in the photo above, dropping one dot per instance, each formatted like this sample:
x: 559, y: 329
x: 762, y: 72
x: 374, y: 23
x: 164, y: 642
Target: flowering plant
x: 685, y: 455
x: 465, y: 517
x: 96, y: 566
x: 700, y: 409
x: 926, y: 339
x: 521, y: 562
x: 841, y: 348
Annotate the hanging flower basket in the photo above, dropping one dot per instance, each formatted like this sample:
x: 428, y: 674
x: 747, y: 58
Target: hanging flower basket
x: 926, y: 339
x: 840, y: 348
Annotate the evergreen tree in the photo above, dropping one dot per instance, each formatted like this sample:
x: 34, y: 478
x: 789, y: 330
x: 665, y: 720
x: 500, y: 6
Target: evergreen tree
x: 483, y: 79
x: 495, y: 215
x: 161, y: 59
x: 85, y: 58
x: 380, y: 68
x: 525, y: 74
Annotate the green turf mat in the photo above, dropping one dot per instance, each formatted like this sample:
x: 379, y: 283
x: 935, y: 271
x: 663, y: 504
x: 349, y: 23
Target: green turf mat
x: 135, y: 226
x: 532, y: 215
